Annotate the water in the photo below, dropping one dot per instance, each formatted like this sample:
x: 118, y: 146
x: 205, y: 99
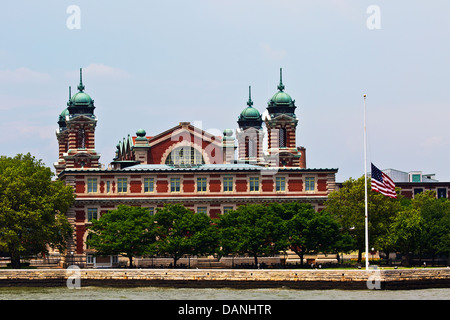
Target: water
x: 157, y: 293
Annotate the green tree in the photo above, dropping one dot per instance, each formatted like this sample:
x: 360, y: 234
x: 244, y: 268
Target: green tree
x: 252, y: 229
x: 348, y: 206
x: 406, y: 232
x: 436, y: 217
x: 426, y: 226
x: 311, y: 232
x: 32, y: 208
x: 181, y: 231
x: 127, y: 230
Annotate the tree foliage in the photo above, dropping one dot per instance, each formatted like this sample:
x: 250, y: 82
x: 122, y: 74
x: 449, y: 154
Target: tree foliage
x: 422, y: 227
x: 311, y: 232
x: 347, y: 205
x: 181, y: 231
x: 32, y: 208
x: 410, y: 226
x: 127, y: 230
x: 252, y: 229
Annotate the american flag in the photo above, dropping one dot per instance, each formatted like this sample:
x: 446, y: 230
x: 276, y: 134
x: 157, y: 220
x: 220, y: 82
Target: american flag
x: 382, y: 183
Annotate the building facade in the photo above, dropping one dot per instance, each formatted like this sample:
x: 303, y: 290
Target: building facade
x: 187, y: 165
x: 414, y: 182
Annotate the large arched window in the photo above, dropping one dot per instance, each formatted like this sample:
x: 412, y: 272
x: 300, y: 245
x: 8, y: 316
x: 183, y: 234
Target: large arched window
x: 185, y: 156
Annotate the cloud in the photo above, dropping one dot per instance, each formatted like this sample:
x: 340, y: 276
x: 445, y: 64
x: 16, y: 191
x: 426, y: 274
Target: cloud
x: 23, y: 75
x: 101, y: 71
x: 18, y: 130
x: 19, y: 103
x: 434, y: 142
x: 271, y: 53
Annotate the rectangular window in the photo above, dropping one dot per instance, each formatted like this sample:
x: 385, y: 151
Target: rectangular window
x: 151, y: 210
x: 90, y: 259
x: 227, y: 209
x: 417, y: 190
x: 310, y: 184
x: 108, y: 186
x: 280, y: 184
x: 174, y: 184
x: 202, y: 210
x: 227, y: 184
x: 148, y: 185
x: 442, y: 193
x: 92, y: 185
x: 254, y: 184
x: 122, y: 185
x: 201, y: 184
x: 92, y: 214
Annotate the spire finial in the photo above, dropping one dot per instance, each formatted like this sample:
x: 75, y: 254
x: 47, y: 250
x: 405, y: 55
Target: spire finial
x: 281, y: 85
x: 81, y: 86
x: 70, y: 92
x: 249, y: 102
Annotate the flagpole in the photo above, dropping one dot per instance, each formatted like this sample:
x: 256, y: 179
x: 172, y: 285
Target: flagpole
x: 365, y: 189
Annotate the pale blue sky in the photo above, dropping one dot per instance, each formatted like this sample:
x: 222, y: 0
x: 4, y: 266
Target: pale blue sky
x: 153, y: 64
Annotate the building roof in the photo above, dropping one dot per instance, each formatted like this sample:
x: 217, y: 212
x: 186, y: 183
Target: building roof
x: 244, y: 167
x: 250, y: 117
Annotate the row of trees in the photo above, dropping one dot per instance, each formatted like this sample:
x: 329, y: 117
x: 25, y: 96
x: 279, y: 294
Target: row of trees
x: 256, y: 230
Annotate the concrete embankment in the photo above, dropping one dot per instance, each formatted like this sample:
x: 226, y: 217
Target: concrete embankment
x: 234, y: 278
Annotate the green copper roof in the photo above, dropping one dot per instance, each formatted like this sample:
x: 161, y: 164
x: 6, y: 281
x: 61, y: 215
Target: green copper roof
x: 64, y: 113
x: 62, y: 119
x: 250, y: 117
x: 141, y: 133
x: 81, y: 102
x: 81, y: 98
x: 281, y: 102
x: 250, y: 113
x: 281, y: 97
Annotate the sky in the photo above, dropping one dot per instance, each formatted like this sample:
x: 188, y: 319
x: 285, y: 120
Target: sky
x: 153, y: 64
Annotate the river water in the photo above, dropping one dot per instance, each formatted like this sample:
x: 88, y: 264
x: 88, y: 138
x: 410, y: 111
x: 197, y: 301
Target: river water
x: 158, y: 293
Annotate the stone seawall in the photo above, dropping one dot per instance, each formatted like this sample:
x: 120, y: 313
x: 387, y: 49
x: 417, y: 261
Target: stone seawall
x: 234, y: 278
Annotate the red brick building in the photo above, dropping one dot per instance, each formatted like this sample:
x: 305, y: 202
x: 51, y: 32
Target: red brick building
x: 186, y: 165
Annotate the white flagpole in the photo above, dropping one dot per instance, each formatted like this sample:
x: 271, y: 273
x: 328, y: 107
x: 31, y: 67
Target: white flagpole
x: 365, y: 189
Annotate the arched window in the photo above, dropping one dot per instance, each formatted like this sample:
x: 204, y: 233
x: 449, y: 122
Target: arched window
x: 185, y: 156
x: 250, y: 147
x: 282, y: 137
x: 81, y: 138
